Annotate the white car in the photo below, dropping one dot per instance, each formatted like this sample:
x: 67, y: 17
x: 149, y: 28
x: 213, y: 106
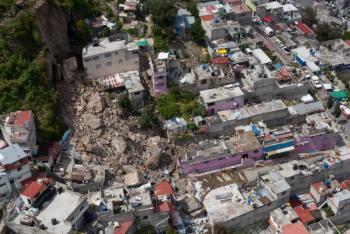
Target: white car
x: 317, y: 84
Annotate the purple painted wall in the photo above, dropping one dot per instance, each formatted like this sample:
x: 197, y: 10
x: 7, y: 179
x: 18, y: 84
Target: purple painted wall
x: 236, y: 103
x: 160, y: 84
x: 316, y: 143
x: 219, y: 163
x: 302, y: 145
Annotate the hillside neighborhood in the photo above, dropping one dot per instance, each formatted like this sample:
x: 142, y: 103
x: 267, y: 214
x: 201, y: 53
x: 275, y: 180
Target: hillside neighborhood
x: 175, y: 116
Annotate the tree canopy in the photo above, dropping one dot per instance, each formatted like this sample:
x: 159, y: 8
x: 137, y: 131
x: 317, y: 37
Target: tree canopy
x: 23, y: 79
x: 163, y: 12
x: 309, y: 15
x: 325, y: 32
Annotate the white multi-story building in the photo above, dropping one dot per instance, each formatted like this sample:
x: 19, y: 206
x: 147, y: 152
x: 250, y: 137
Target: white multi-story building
x: 110, y: 57
x: 14, y: 168
x: 19, y: 128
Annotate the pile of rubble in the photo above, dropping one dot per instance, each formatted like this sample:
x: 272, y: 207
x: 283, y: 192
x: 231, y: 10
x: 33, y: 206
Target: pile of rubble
x: 103, y: 135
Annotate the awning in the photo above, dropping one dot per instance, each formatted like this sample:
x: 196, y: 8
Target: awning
x: 142, y: 43
x: 222, y: 51
x: 280, y: 151
x: 267, y: 19
x: 339, y: 95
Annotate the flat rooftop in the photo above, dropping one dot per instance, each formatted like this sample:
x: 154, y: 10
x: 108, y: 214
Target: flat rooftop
x: 266, y: 107
x: 231, y: 115
x: 60, y: 207
x: 220, y: 94
x: 105, y: 46
x: 306, y: 108
x: 132, y: 81
x: 244, y: 143
x: 207, y: 150
x: 225, y: 203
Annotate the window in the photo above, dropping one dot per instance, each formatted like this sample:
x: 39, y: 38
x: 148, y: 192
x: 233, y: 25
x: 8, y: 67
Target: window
x: 108, y: 55
x: 19, y: 168
x: 220, y: 158
x: 145, y: 217
x: 109, y: 64
x: 203, y: 82
x: 284, y: 193
x: 136, y: 93
x: 116, y: 52
x: 98, y: 66
x: 211, y: 104
x: 120, y: 60
x: 95, y: 58
x: 135, y: 52
x: 245, y: 156
x: 256, y: 151
x: 87, y: 60
x: 206, y: 162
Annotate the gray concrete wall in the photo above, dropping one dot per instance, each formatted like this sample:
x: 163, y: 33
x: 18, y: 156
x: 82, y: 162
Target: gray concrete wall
x: 255, y: 216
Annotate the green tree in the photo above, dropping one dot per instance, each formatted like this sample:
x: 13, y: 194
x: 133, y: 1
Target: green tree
x: 119, y: 24
x: 163, y: 12
x: 148, y: 118
x: 5, y: 5
x: 23, y: 79
x: 325, y: 32
x: 124, y: 102
x: 83, y: 33
x: 330, y: 102
x: 346, y: 35
x: 309, y: 16
x: 197, y: 33
x: 192, y: 8
x: 336, y: 111
x: 145, y: 229
x: 170, y: 230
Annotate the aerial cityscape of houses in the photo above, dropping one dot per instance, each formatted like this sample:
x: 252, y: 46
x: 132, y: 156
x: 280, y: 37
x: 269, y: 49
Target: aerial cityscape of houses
x: 245, y: 132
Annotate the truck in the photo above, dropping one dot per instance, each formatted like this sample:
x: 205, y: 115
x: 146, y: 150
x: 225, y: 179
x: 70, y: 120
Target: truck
x: 269, y: 31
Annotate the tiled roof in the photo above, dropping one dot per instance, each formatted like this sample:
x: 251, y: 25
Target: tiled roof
x: 304, y: 215
x: 293, y: 228
x: 163, y: 189
x: 35, y: 188
x: 220, y: 60
x: 124, y: 227
x: 22, y: 117
x: 303, y: 28
x: 207, y: 17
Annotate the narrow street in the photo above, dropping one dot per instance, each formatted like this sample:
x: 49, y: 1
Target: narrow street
x: 285, y: 59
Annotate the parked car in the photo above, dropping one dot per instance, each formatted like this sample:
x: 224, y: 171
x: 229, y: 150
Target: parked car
x: 286, y: 50
x: 345, y: 110
x: 317, y: 84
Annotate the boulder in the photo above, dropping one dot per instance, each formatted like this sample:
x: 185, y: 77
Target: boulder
x: 119, y: 145
x: 96, y: 103
x: 92, y: 121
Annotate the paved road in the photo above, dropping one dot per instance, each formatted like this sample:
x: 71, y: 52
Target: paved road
x: 286, y: 59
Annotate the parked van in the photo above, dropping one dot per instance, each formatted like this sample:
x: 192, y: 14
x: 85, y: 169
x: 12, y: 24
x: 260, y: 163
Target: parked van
x: 269, y: 31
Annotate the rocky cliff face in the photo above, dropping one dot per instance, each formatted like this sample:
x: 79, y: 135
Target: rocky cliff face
x: 52, y: 23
